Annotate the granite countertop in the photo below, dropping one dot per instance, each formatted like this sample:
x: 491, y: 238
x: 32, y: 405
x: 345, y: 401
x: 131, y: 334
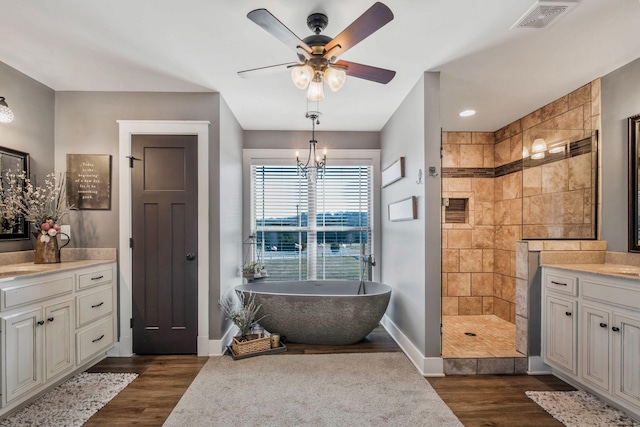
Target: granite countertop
x: 606, y: 269
x: 19, y: 265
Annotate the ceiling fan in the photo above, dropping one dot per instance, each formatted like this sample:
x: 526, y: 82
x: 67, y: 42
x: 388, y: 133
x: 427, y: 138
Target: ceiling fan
x: 318, y: 53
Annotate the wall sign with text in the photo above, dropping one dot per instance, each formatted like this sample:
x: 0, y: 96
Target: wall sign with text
x: 89, y: 181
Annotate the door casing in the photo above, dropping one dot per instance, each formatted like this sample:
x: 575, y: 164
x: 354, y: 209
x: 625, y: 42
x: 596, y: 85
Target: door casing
x: 124, y: 346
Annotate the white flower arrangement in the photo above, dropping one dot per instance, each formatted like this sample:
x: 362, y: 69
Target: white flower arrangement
x: 43, y: 206
x: 242, y: 313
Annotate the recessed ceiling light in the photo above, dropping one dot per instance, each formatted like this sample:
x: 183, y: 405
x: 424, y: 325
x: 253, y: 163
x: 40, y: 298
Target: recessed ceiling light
x: 467, y: 113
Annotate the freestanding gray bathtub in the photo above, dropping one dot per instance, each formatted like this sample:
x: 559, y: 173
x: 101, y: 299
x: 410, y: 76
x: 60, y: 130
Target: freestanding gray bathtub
x: 332, y: 312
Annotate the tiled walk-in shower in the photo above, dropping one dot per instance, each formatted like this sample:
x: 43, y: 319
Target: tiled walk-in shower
x: 482, y: 344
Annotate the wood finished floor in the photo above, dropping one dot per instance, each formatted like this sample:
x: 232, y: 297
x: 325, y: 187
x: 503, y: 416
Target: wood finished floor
x: 476, y: 400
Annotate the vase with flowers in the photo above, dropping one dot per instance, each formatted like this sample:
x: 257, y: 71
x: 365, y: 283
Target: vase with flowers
x: 43, y: 206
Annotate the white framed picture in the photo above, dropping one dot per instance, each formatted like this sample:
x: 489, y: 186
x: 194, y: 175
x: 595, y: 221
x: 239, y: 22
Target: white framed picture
x: 393, y: 173
x: 404, y: 210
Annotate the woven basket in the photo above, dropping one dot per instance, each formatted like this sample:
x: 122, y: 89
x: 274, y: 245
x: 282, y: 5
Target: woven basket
x: 256, y: 343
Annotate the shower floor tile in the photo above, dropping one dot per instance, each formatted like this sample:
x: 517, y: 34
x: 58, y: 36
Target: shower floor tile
x: 478, y: 337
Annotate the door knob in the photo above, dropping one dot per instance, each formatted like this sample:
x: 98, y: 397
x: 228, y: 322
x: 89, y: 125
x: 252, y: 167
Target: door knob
x: 191, y: 256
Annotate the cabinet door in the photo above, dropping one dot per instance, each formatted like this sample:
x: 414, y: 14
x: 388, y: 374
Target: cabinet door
x: 595, y: 348
x: 23, y: 351
x: 58, y: 338
x: 560, y: 333
x: 626, y: 345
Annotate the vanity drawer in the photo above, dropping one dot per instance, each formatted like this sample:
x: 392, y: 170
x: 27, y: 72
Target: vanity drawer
x: 98, y: 277
x: 563, y: 284
x: 610, y: 293
x: 94, y: 340
x: 28, y: 293
x: 92, y: 305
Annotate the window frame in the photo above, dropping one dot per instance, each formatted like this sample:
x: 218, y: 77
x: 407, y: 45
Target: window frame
x: 335, y: 157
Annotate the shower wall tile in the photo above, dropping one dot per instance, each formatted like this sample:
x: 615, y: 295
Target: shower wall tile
x: 487, y: 305
x: 580, y: 172
x: 488, y: 156
x: 482, y: 284
x: 471, y: 260
x: 471, y: 156
x: 459, y: 284
x: 450, y: 156
x: 595, y: 98
x: 459, y: 138
x: 572, y: 119
x: 488, y: 260
x: 484, y: 138
x: 503, y: 152
x: 502, y: 309
x: 459, y: 239
x: 555, y: 108
x: 580, y: 96
x: 531, y: 119
x: 469, y: 306
x: 451, y: 260
x: 450, y: 306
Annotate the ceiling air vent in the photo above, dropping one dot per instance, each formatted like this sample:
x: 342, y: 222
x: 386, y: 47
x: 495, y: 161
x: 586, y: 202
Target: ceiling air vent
x: 542, y: 13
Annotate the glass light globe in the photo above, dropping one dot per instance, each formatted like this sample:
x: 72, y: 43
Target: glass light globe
x: 335, y: 77
x: 316, y: 90
x: 6, y: 115
x: 301, y: 76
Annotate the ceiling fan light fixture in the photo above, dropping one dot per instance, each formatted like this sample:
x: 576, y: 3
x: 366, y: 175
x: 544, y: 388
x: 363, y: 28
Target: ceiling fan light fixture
x: 335, y: 78
x: 316, y: 89
x: 302, y: 75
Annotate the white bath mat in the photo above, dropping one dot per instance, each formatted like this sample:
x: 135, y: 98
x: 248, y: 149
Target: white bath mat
x: 580, y: 409
x: 71, y: 403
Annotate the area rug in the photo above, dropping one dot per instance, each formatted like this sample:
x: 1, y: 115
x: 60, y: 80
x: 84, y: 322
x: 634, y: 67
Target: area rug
x: 362, y: 389
x: 580, y: 409
x: 71, y: 403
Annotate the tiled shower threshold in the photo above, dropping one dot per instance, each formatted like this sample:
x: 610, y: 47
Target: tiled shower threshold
x: 482, y: 344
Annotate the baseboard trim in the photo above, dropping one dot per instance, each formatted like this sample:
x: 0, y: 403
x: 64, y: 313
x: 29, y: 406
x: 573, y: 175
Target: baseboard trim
x: 427, y: 366
x: 537, y: 366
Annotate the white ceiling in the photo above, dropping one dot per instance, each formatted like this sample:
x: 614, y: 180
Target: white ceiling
x: 200, y: 45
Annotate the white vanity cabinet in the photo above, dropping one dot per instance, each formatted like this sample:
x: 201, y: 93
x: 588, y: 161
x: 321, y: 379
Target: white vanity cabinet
x: 600, y: 350
x: 42, y: 336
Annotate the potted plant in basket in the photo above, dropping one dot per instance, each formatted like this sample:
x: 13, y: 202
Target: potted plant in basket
x: 244, y: 314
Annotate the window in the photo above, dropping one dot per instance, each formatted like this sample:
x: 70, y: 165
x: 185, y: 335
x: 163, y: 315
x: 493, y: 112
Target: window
x: 294, y: 247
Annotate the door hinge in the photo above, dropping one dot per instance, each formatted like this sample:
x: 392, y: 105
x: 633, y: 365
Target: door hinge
x: 131, y: 242
x: 131, y: 159
x: 131, y: 323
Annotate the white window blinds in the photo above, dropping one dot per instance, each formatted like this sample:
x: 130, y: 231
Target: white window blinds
x: 284, y: 231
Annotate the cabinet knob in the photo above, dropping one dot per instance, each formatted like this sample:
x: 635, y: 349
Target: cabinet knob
x: 568, y: 313
x: 615, y: 329
x: 41, y: 322
x: 50, y: 319
x: 603, y: 325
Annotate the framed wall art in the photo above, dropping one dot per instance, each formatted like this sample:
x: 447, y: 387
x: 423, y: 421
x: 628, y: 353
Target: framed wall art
x: 89, y: 181
x: 404, y: 210
x: 393, y: 173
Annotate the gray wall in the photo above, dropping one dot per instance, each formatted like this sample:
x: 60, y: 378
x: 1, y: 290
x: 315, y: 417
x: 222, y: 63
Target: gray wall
x: 299, y: 140
x: 86, y: 123
x: 32, y: 129
x: 227, y: 172
x: 620, y: 100
x: 403, y: 245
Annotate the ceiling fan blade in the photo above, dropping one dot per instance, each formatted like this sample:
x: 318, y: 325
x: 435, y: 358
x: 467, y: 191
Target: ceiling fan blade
x: 368, y: 23
x: 367, y: 72
x: 265, y: 71
x: 272, y: 25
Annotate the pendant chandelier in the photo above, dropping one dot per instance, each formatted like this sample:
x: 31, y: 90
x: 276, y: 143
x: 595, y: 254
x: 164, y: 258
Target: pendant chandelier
x: 314, y: 167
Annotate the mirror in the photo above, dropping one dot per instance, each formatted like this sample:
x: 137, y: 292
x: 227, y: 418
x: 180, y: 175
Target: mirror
x: 634, y: 176
x: 12, y: 226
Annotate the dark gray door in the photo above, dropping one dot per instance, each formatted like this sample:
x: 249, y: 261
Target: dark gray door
x: 165, y: 241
